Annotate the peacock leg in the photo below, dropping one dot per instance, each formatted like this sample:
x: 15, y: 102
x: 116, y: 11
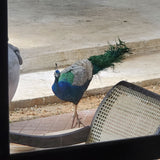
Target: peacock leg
x: 76, y: 119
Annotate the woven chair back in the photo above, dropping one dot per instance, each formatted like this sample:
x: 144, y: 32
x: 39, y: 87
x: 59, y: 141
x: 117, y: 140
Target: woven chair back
x: 126, y: 111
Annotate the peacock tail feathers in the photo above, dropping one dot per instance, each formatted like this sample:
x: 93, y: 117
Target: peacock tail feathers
x: 114, y: 54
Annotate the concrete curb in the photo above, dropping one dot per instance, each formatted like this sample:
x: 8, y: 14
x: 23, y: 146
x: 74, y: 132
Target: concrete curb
x: 54, y: 99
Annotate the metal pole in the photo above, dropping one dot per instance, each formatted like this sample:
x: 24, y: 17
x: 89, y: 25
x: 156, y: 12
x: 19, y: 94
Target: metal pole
x: 4, y: 118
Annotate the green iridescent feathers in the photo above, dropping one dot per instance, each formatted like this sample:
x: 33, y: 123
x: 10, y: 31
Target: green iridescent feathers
x: 67, y: 77
x: 114, y: 54
x: 82, y: 71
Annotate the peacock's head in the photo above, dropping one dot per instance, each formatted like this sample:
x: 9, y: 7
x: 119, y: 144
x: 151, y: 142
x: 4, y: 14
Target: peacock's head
x: 57, y: 74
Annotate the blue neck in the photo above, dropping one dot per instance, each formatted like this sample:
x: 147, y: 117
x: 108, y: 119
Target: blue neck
x: 56, y: 79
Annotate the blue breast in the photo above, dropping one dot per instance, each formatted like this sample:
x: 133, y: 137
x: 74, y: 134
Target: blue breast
x: 68, y: 92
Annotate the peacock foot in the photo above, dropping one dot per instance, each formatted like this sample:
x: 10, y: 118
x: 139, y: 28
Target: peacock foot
x: 76, y: 121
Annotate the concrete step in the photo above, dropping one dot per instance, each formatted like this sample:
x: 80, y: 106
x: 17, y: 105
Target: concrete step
x: 46, y: 58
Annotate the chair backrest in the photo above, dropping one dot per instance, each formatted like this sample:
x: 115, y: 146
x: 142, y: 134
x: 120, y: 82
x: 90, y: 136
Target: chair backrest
x: 126, y: 111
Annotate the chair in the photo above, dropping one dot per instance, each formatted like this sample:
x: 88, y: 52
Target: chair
x: 126, y: 111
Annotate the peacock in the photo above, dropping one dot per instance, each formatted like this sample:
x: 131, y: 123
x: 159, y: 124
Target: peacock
x: 73, y: 81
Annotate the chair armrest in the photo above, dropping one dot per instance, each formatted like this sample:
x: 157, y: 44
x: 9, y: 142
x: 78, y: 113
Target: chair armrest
x: 50, y: 141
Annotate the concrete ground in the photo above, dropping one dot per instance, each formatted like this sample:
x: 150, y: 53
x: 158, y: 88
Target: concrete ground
x: 62, y: 30
x: 65, y: 31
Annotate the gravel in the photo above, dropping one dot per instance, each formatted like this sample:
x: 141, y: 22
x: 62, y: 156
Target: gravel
x: 20, y: 114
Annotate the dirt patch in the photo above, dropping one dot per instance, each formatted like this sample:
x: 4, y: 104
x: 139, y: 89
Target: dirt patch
x: 91, y: 102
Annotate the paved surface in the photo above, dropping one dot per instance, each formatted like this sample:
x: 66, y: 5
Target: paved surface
x: 47, y: 126
x: 51, y: 124
x: 56, y: 31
